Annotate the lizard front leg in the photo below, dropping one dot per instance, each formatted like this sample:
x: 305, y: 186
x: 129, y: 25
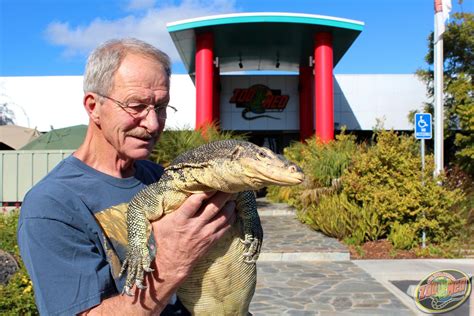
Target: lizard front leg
x: 141, y: 210
x: 246, y: 205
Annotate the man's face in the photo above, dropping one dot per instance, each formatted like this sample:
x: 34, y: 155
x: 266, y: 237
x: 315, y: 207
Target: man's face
x: 138, y: 80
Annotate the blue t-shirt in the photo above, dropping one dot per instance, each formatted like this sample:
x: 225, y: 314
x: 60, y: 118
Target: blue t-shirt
x: 59, y: 239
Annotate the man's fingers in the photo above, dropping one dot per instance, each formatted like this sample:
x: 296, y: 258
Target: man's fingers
x: 213, y: 206
x: 193, y: 203
x: 225, y: 219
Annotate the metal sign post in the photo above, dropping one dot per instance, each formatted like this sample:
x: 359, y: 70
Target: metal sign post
x: 423, y: 130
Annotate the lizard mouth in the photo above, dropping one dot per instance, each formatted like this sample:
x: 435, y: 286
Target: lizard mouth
x: 289, y: 176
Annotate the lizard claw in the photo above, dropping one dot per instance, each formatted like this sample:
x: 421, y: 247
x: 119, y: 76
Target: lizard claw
x: 253, y: 248
x: 140, y: 285
x: 126, y: 291
x: 245, y: 241
x: 136, y: 263
x: 250, y: 261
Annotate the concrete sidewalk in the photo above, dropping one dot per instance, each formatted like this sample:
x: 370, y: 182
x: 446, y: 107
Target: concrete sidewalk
x: 303, y: 272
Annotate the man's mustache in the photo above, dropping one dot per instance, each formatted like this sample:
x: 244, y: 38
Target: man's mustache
x: 142, y: 134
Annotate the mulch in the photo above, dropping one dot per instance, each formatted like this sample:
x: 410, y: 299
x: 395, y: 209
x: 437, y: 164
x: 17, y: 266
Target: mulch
x: 380, y: 249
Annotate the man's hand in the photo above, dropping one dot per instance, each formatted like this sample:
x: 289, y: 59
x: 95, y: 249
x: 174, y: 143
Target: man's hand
x: 184, y: 236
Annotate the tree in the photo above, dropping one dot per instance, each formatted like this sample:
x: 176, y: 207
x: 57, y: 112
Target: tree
x: 7, y: 116
x: 458, y: 41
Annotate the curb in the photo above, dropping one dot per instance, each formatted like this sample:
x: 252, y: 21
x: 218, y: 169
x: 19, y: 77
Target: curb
x: 303, y: 256
x: 283, y: 212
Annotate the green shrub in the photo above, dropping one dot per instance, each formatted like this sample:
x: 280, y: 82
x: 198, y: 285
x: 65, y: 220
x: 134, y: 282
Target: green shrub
x: 16, y: 297
x: 336, y: 216
x: 402, y: 236
x: 330, y: 215
x: 322, y: 164
x: 387, y: 177
x: 286, y: 195
x: 368, y: 223
x: 326, y: 162
x: 174, y: 142
x: 449, y: 249
x: 8, y: 226
x: 356, y: 192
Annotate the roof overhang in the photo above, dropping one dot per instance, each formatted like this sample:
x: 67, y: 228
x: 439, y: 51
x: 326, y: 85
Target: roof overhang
x: 258, y: 40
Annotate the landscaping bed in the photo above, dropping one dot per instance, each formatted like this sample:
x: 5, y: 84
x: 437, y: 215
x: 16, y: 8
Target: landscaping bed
x: 380, y: 249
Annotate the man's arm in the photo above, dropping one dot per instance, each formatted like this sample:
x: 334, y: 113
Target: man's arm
x: 182, y: 237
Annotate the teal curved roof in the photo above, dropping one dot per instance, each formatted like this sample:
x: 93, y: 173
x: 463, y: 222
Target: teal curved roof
x: 259, y: 40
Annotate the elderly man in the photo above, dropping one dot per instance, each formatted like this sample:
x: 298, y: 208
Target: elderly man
x: 126, y: 93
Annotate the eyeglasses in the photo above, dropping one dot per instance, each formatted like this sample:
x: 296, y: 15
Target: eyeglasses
x: 141, y: 110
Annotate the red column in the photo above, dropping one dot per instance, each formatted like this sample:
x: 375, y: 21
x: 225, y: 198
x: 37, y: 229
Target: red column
x: 204, y: 78
x: 216, y: 110
x: 324, y: 94
x: 306, y: 102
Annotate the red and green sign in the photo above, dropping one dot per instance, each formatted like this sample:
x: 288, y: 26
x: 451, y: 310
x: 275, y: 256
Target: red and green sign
x: 442, y: 291
x: 259, y: 99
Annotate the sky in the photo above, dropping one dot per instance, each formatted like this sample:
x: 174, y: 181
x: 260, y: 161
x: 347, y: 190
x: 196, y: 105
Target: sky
x: 53, y: 37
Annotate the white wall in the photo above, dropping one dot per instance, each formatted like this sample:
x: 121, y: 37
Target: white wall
x: 43, y: 102
x: 182, y: 97
x: 359, y: 100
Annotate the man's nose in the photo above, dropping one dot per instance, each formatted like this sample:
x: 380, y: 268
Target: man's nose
x: 152, y: 122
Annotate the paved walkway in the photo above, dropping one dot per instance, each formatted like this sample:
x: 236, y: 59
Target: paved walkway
x: 288, y: 239
x: 302, y: 272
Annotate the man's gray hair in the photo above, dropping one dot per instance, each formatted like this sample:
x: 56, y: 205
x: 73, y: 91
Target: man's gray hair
x: 105, y: 60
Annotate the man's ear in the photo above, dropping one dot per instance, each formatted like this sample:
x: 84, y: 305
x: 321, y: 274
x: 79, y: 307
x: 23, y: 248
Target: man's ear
x: 91, y: 104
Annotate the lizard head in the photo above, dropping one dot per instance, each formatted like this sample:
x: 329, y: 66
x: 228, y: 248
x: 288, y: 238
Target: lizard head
x: 234, y: 166
x: 261, y: 167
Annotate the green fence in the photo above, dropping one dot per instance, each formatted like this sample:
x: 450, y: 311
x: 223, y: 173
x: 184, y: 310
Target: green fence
x: 21, y: 169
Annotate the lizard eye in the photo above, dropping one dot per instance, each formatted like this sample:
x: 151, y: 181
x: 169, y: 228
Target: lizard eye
x: 262, y: 155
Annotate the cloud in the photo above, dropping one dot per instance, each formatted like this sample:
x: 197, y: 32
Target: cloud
x: 149, y: 26
x: 140, y: 4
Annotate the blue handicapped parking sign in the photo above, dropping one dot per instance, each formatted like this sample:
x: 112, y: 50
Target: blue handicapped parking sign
x: 423, y: 126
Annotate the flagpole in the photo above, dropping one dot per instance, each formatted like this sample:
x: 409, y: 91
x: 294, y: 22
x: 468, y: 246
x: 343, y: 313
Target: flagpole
x: 438, y: 89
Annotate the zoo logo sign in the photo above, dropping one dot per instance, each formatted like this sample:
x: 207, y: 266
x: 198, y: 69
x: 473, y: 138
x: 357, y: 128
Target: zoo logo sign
x: 442, y: 291
x: 259, y: 99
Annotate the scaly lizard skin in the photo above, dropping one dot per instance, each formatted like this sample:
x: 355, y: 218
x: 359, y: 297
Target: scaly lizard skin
x: 222, y: 282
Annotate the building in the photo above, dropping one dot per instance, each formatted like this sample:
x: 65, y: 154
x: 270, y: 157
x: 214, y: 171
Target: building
x: 274, y: 109
x: 267, y: 74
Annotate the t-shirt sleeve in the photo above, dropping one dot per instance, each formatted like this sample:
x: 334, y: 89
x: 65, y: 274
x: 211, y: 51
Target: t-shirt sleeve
x: 68, y: 272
